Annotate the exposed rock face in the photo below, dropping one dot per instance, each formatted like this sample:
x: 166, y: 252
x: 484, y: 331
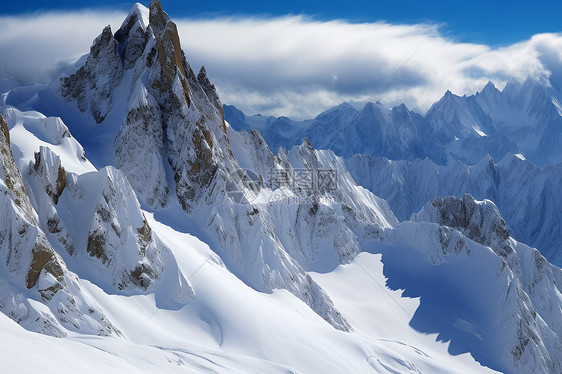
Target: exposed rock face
x: 5, y: 131
x: 480, y: 222
x: 10, y: 174
x: 531, y: 314
x: 211, y: 93
x: 83, y: 86
x: 132, y: 38
x: 169, y: 52
x: 54, y: 179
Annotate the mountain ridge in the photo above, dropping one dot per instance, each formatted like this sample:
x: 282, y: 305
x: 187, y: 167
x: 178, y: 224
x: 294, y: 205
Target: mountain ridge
x: 522, y: 118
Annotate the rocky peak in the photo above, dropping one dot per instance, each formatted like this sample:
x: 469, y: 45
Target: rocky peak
x: 5, y: 131
x: 167, y: 42
x: 103, y: 41
x: 83, y: 87
x: 158, y: 18
x: 132, y: 37
x: 490, y: 87
x: 211, y: 93
x: 480, y: 221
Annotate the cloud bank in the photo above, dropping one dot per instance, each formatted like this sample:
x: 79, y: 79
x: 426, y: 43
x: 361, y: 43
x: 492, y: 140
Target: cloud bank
x: 296, y: 66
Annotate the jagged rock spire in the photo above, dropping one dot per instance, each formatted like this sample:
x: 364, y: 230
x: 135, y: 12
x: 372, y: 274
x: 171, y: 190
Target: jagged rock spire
x: 167, y: 42
x: 211, y: 93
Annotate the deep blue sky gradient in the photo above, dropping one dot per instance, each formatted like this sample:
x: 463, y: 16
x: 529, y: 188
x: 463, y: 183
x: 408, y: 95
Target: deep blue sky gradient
x: 492, y: 22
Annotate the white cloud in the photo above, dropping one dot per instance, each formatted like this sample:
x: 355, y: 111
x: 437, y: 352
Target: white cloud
x: 298, y: 66
x: 34, y: 47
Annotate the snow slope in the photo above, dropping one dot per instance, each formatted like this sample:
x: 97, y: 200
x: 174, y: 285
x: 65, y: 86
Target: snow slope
x: 230, y: 328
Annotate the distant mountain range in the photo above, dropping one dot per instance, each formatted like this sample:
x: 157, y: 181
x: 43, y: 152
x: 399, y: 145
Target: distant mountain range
x: 522, y: 118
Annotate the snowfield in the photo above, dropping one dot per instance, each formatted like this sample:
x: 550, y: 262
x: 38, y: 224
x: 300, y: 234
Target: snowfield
x: 230, y: 328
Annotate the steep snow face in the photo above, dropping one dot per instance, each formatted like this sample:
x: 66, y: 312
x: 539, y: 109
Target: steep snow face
x: 524, y: 193
x: 115, y: 239
x: 529, y: 114
x: 63, y: 185
x: 515, y: 278
x: 37, y: 290
x: 106, y: 220
x: 311, y: 215
x: 91, y: 223
x: 287, y: 228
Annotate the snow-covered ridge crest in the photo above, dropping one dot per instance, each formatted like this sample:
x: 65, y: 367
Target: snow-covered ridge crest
x: 528, y: 298
x: 478, y: 220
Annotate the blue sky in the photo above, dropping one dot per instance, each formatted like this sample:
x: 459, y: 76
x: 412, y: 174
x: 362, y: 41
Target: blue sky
x: 495, y: 23
x: 297, y: 58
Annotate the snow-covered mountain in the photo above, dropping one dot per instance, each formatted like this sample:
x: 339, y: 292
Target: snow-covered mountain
x: 523, y: 118
x: 526, y: 195
x: 149, y: 234
x: 408, y: 160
